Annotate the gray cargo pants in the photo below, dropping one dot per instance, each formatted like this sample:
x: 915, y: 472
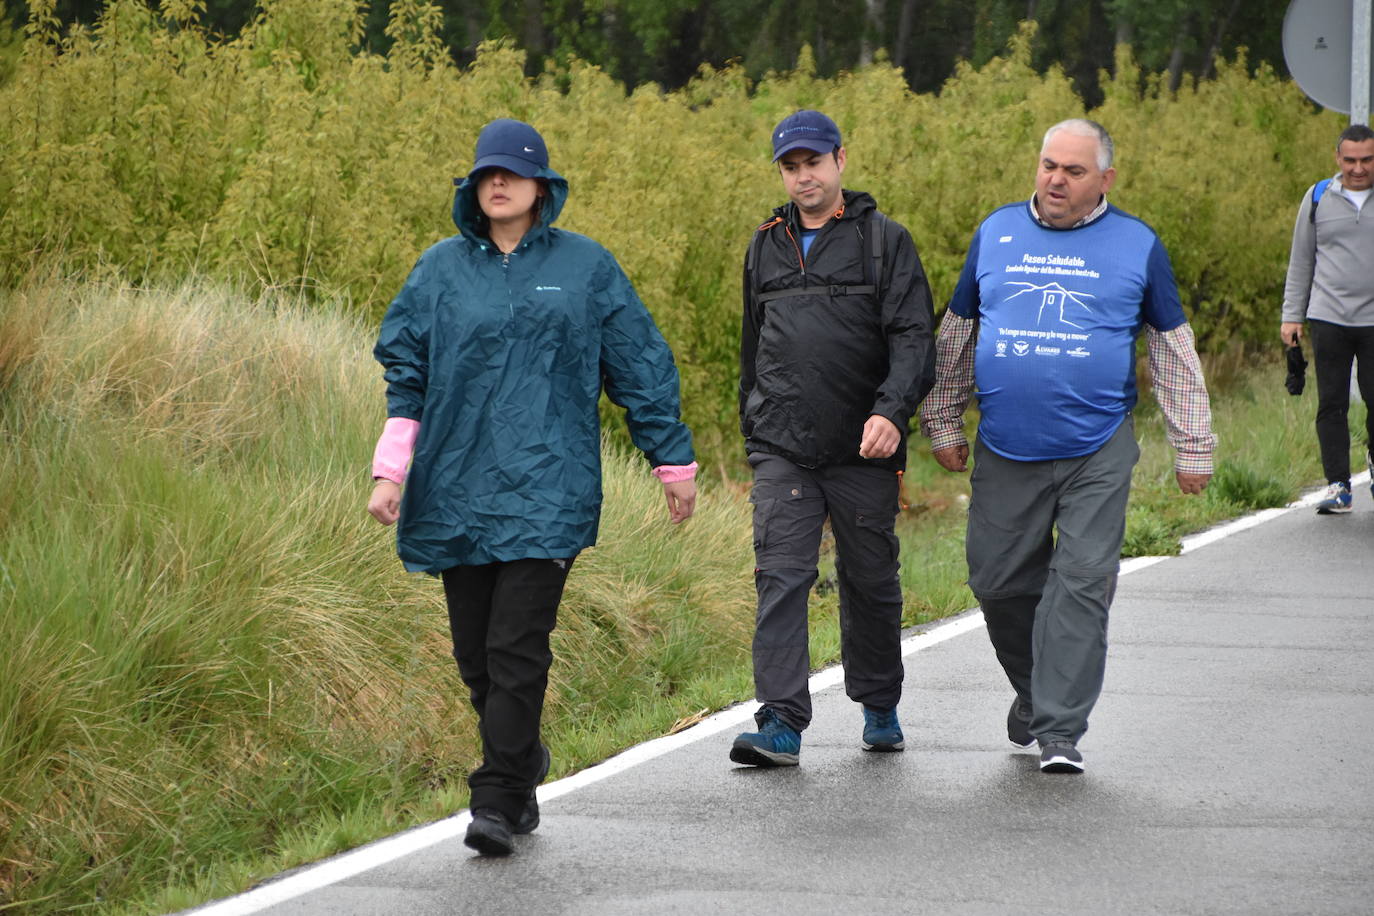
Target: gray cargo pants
x: 1045, y: 599
x: 791, y: 504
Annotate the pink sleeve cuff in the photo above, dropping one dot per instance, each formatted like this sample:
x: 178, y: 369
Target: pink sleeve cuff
x: 392, y: 456
x: 672, y: 473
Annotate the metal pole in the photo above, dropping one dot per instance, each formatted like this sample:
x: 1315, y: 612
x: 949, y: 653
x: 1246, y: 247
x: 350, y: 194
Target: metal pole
x: 1359, y: 61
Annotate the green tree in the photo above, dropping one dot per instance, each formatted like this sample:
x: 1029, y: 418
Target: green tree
x: 1188, y: 36
x: 665, y: 41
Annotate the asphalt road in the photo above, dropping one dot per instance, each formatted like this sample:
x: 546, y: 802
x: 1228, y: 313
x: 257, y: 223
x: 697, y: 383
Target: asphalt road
x: 1230, y: 770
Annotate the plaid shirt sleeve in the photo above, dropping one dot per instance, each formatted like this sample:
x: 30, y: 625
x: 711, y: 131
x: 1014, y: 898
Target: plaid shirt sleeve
x: 1181, y: 391
x: 942, y: 412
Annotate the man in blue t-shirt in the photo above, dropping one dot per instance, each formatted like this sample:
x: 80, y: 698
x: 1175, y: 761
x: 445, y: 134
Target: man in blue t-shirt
x: 1041, y: 329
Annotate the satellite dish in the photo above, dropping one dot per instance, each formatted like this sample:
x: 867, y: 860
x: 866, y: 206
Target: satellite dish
x: 1317, y: 48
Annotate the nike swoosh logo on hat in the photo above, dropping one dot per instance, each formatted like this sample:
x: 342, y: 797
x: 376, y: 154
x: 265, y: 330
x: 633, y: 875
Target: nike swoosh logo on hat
x: 528, y: 150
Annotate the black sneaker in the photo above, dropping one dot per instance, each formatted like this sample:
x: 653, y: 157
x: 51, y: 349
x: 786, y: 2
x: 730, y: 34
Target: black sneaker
x: 1061, y: 758
x: 490, y: 833
x: 1018, y: 723
x: 529, y: 816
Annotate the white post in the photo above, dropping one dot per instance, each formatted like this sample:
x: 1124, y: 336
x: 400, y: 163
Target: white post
x: 1360, y: 61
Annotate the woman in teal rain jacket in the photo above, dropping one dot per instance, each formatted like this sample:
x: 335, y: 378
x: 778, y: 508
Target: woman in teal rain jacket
x: 495, y: 352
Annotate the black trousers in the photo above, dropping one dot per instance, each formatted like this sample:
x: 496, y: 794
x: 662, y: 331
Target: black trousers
x: 501, y: 615
x: 791, y: 504
x: 1334, y: 348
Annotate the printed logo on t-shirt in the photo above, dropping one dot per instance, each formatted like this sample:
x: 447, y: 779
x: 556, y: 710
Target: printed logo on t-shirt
x: 1056, y: 265
x: 1059, y: 310
x: 1055, y: 298
x: 1059, y: 315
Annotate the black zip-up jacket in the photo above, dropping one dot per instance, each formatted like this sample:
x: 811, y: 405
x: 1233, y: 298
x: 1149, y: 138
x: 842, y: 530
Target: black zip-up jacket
x: 814, y: 367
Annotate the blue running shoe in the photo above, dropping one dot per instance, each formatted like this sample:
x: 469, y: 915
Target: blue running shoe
x: 881, y: 730
x: 1336, y: 501
x: 775, y: 744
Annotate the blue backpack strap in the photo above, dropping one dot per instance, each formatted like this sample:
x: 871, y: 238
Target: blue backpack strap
x: 1318, y: 190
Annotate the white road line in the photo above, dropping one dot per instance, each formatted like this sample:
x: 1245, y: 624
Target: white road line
x: 349, y: 864
x: 1203, y: 538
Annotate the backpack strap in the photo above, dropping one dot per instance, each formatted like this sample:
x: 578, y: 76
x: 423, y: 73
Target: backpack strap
x: 873, y: 268
x: 873, y: 264
x: 755, y: 242
x: 832, y: 291
x: 1318, y: 190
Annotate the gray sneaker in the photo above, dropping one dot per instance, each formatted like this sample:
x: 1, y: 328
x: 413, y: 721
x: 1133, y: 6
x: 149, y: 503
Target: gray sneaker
x: 1061, y: 758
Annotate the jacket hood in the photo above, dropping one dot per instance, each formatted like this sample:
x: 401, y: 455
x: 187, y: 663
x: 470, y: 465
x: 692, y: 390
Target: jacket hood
x: 467, y: 214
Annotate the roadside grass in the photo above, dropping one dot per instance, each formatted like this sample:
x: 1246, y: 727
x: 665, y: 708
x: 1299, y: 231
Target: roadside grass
x: 215, y: 668
x: 1266, y: 454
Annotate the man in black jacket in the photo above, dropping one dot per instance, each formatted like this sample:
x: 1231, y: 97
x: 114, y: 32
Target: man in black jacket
x: 835, y: 355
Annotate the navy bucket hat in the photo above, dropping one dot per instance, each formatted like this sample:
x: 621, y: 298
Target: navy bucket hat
x: 512, y: 145
x: 805, y: 129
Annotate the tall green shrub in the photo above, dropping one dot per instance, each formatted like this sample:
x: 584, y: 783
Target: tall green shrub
x: 1219, y: 169
x: 287, y: 158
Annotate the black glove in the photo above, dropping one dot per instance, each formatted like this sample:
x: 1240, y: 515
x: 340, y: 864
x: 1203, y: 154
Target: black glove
x: 1297, y: 370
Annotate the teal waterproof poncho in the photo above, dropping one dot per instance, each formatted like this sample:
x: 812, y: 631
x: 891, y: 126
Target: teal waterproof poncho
x: 502, y: 359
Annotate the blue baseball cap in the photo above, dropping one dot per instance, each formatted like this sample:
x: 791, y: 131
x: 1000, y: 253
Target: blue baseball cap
x: 511, y: 145
x: 805, y: 129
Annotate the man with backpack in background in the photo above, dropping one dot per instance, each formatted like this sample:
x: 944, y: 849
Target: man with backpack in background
x: 1331, y: 285
x: 835, y: 355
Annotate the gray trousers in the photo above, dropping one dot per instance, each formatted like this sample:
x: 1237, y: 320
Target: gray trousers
x: 1045, y: 598
x: 791, y: 504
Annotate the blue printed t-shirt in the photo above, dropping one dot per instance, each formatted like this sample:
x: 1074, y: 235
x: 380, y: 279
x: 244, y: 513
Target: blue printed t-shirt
x: 1059, y: 311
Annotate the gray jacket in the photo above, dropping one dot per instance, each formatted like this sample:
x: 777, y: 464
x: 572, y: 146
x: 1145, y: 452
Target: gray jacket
x: 1330, y: 277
